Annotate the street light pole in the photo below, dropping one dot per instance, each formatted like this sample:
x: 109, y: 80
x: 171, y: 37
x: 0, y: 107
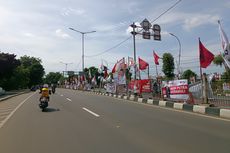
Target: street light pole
x: 83, y: 45
x: 66, y: 64
x: 179, y: 50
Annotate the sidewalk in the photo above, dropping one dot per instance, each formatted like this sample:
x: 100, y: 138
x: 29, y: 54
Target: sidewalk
x: 10, y: 94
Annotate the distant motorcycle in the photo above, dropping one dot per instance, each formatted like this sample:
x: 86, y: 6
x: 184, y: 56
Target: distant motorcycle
x: 43, y: 103
x: 53, y: 90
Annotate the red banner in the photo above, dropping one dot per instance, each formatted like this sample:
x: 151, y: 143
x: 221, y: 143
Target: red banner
x: 145, y: 85
x: 140, y: 86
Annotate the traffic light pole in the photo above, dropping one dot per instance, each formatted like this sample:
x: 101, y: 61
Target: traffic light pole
x: 134, y: 50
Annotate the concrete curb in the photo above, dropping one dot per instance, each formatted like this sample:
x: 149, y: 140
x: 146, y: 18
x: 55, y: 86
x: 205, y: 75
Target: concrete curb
x: 199, y: 109
x: 225, y: 113
x: 140, y: 100
x: 213, y: 111
x: 178, y: 106
x: 125, y: 97
x: 132, y: 97
x: 150, y: 101
x: 162, y: 103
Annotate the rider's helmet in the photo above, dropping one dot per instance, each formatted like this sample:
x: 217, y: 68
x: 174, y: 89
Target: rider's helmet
x: 45, y: 86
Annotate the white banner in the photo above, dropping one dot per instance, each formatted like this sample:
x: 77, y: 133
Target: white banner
x: 177, y: 89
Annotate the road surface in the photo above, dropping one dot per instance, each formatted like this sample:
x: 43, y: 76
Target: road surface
x: 82, y: 122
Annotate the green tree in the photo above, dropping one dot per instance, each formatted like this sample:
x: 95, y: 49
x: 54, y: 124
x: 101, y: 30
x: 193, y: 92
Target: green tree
x: 8, y: 63
x: 168, y: 66
x: 36, y: 70
x: 226, y: 76
x: 128, y: 74
x: 188, y: 74
x: 218, y: 60
x: 19, y: 79
x: 93, y: 70
x: 53, y: 77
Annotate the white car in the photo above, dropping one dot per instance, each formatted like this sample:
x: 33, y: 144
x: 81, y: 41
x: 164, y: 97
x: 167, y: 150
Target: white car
x: 2, y: 91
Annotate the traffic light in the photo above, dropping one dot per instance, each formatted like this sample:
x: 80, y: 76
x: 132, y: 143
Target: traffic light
x: 157, y: 32
x: 146, y: 35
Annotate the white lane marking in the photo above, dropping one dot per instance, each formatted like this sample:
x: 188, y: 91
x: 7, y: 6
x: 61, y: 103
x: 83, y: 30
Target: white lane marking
x: 12, y: 113
x: 61, y: 95
x: 89, y: 111
x: 68, y: 99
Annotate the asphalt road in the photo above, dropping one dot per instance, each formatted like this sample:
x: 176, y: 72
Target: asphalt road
x: 81, y: 122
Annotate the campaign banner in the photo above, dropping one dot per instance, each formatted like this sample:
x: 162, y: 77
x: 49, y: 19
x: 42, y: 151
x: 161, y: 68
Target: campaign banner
x: 111, y: 87
x: 177, y: 89
x: 134, y: 86
x: 145, y: 86
x: 140, y: 86
x: 121, y: 89
x: 119, y: 78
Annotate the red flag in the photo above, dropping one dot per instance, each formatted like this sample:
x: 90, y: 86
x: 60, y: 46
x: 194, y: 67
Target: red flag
x: 142, y: 64
x: 114, y: 68
x: 106, y: 72
x: 206, y: 57
x: 156, y: 58
x: 119, y: 65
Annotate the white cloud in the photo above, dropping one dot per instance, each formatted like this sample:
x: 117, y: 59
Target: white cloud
x: 198, y: 20
x: 27, y: 34
x: 61, y: 34
x: 130, y: 29
x: 70, y: 11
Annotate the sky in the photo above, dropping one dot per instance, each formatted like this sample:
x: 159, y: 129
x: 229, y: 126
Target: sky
x: 40, y: 28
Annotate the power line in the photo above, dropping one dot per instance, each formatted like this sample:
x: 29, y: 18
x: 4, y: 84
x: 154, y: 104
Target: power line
x: 107, y: 50
x: 119, y: 44
x: 167, y: 10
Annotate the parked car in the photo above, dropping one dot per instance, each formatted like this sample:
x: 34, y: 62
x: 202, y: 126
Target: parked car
x: 33, y: 88
x: 2, y: 91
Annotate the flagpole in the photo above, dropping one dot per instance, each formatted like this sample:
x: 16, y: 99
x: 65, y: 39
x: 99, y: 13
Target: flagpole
x: 148, y: 71
x: 201, y: 74
x: 156, y: 70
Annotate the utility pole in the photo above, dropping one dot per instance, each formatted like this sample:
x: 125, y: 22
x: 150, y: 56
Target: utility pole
x: 179, y: 53
x: 83, y: 45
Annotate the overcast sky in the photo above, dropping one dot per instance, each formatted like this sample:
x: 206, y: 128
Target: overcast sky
x: 39, y: 28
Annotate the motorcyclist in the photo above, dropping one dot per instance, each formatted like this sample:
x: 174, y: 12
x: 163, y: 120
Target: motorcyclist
x: 53, y: 87
x: 45, y: 92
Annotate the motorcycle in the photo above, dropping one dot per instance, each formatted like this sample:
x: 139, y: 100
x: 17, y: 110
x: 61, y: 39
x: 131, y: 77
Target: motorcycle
x: 43, y: 103
x: 53, y: 90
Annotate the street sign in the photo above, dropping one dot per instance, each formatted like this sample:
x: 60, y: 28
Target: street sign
x: 71, y: 73
x: 146, y: 25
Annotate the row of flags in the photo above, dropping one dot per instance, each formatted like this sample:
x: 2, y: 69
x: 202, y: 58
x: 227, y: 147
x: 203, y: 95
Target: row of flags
x: 206, y: 57
x: 143, y: 65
